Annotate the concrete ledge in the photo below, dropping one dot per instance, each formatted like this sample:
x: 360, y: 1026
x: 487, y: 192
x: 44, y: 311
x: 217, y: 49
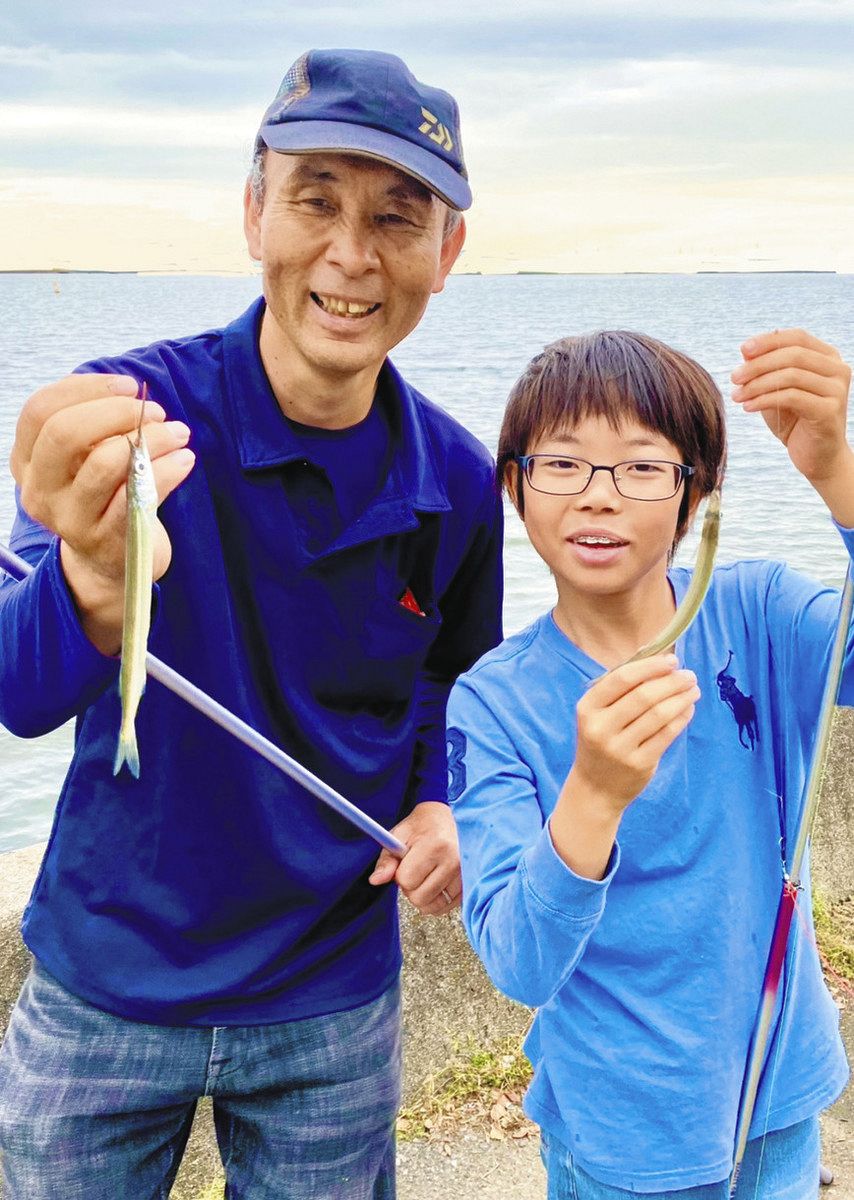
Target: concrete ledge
x: 446, y: 994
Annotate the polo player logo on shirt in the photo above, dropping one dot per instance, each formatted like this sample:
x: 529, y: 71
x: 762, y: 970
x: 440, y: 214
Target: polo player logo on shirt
x: 742, y: 707
x: 456, y: 743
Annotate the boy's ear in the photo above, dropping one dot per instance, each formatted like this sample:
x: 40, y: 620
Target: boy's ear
x: 511, y: 483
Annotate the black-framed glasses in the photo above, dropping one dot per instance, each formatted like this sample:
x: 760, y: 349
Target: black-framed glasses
x: 636, y: 479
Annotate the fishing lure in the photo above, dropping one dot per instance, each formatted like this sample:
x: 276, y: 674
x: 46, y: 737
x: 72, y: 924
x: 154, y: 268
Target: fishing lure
x: 139, y: 572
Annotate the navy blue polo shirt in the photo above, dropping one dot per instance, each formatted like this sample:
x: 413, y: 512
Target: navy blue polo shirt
x: 213, y: 890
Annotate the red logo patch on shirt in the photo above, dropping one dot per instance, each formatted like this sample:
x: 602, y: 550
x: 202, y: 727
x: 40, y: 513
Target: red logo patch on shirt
x: 409, y: 601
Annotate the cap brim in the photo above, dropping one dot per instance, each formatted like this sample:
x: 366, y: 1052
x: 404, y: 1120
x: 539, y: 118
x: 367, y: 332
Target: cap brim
x: 303, y: 137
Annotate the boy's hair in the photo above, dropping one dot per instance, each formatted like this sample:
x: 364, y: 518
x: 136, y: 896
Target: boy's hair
x: 620, y: 376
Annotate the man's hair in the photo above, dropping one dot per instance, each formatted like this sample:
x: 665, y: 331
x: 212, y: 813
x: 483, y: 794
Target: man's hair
x: 258, y: 183
x: 620, y: 376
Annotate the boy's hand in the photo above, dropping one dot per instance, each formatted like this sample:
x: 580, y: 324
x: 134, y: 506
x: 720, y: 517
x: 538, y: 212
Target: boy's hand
x: 800, y: 385
x: 626, y: 721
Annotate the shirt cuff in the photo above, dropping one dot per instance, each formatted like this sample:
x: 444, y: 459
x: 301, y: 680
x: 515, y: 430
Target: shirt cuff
x: 556, y: 886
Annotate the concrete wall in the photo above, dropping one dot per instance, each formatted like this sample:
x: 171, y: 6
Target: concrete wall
x: 447, y: 996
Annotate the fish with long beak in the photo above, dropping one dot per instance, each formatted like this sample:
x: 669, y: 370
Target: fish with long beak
x: 139, y: 571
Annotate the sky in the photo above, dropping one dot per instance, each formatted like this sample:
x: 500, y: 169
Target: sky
x: 643, y: 135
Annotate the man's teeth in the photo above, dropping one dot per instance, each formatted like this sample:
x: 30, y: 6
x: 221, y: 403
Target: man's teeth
x: 344, y: 308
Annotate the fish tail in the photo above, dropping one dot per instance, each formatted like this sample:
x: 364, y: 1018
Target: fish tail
x: 127, y: 752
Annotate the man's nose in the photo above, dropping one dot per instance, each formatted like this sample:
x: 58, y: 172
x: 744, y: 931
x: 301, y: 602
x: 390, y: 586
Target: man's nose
x: 352, y: 247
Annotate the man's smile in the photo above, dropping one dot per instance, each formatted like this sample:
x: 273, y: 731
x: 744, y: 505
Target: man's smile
x: 339, y: 306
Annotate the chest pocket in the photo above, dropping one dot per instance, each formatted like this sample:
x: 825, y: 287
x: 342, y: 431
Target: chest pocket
x: 388, y: 641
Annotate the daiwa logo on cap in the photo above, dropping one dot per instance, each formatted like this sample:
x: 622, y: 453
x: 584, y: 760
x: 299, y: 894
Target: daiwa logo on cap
x: 435, y: 130
x: 369, y: 102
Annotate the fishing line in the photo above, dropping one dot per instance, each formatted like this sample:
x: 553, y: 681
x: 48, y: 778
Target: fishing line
x: 18, y: 568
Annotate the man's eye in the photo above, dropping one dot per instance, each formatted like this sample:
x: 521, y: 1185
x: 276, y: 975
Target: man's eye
x: 317, y: 204
x: 392, y: 219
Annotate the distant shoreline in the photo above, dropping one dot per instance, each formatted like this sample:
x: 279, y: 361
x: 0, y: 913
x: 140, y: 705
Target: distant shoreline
x: 470, y: 274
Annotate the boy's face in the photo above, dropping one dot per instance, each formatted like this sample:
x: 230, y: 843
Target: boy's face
x: 597, y: 542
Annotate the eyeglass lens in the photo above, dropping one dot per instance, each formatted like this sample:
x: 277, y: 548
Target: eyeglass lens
x: 635, y: 480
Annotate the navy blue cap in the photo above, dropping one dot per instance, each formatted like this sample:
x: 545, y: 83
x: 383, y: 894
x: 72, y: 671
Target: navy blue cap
x: 367, y: 102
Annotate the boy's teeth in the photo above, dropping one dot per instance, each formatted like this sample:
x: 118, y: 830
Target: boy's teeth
x: 597, y: 541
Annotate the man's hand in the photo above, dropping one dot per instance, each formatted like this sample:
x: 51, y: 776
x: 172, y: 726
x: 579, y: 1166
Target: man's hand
x: 429, y: 875
x: 70, y: 460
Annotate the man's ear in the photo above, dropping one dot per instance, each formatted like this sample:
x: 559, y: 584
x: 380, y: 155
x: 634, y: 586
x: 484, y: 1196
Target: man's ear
x: 251, y: 223
x: 452, y: 244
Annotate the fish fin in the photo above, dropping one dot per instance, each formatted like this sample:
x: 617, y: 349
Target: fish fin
x: 127, y: 752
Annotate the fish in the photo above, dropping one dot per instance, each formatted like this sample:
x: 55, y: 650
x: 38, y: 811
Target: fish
x: 139, y: 579
x: 699, y: 585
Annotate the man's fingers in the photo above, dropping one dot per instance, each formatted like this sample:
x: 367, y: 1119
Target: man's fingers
x: 67, y: 393
x: 384, y: 869
x: 436, y: 893
x: 171, y: 469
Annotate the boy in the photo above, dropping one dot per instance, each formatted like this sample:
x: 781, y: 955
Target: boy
x: 622, y: 869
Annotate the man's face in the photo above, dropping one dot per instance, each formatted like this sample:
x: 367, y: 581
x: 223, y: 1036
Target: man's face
x: 351, y: 252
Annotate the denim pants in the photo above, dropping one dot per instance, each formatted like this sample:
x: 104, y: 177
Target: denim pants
x: 784, y: 1165
x: 95, y: 1107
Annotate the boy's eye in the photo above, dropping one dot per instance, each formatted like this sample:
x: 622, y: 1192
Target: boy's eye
x: 563, y: 465
x: 644, y: 468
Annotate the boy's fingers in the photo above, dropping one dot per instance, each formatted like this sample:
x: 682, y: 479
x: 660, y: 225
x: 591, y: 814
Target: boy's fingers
x: 813, y: 388
x: 810, y: 362
x: 654, y: 720
x: 762, y: 343
x: 608, y: 688
x: 652, y: 696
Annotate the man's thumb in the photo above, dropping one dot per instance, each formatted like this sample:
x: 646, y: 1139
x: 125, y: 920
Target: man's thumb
x: 385, y: 869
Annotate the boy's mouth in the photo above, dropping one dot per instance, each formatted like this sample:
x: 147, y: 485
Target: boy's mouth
x: 597, y: 540
x: 597, y: 549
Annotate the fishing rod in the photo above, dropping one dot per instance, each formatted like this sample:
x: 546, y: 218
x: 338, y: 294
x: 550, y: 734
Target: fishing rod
x: 19, y: 569
x: 792, y: 883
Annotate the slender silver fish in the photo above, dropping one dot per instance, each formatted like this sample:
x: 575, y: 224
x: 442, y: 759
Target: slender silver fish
x: 139, y: 571
x: 699, y: 585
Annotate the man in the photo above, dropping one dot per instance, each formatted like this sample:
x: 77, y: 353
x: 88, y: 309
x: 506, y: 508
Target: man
x: 328, y: 558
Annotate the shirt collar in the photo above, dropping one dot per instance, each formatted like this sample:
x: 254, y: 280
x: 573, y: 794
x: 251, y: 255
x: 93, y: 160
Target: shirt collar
x: 264, y: 438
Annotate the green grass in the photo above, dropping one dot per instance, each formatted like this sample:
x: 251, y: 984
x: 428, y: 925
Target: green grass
x: 835, y: 943
x: 466, y: 1087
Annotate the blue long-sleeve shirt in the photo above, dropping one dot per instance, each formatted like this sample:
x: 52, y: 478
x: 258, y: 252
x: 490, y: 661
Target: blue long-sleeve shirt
x: 214, y: 890
x: 647, y: 982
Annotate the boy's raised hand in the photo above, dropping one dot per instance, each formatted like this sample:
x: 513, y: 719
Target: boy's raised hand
x: 800, y: 385
x: 626, y: 720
